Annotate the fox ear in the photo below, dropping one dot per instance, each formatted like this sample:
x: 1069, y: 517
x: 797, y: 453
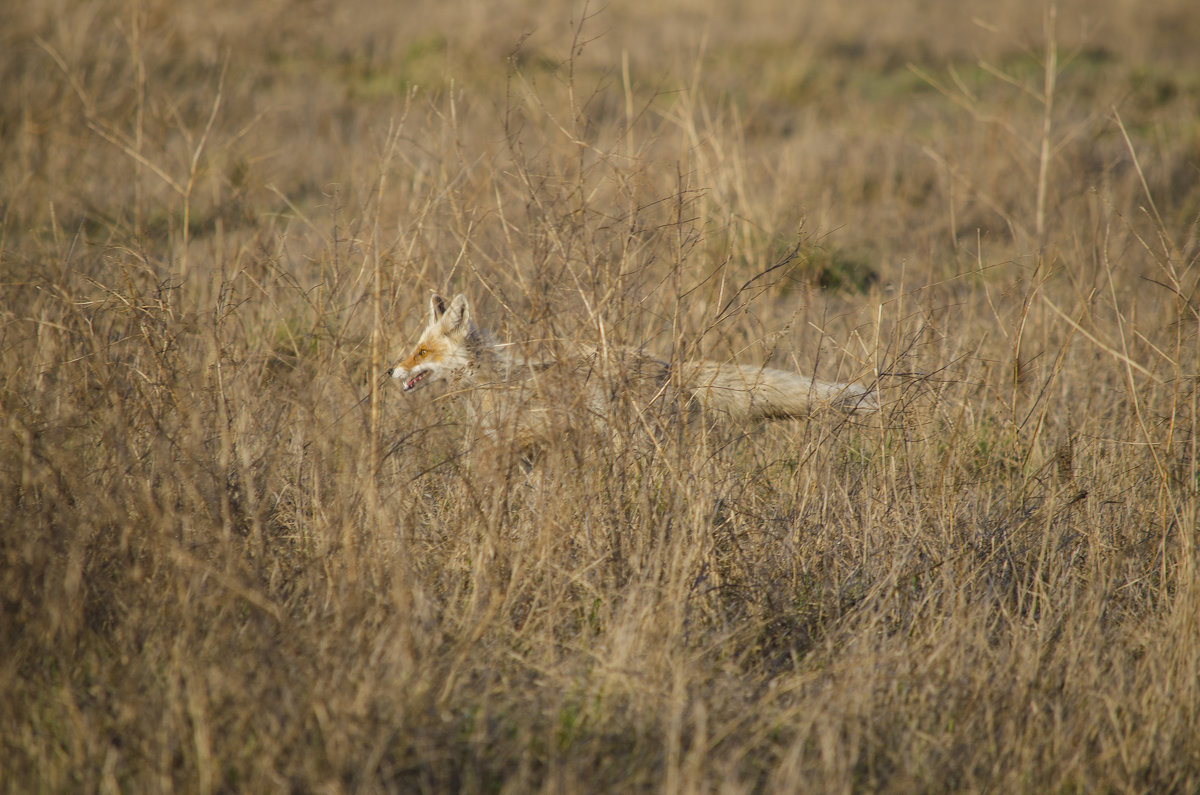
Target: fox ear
x: 458, y: 316
x: 437, y: 308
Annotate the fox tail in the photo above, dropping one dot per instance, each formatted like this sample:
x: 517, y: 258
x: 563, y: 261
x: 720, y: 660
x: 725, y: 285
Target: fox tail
x: 761, y: 393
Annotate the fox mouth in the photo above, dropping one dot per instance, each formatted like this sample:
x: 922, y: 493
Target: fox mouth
x: 412, y: 383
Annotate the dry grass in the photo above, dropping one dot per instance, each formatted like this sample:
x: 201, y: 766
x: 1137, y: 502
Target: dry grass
x: 236, y: 560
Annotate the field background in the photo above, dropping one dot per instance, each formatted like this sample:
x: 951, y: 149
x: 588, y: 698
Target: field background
x: 233, y: 558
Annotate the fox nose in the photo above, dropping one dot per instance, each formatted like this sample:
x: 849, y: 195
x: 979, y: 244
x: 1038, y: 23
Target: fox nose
x: 389, y: 372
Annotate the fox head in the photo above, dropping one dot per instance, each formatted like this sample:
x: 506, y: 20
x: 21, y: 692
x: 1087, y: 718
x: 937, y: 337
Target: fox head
x: 443, y: 351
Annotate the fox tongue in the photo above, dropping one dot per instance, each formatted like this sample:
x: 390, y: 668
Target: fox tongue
x: 413, y: 381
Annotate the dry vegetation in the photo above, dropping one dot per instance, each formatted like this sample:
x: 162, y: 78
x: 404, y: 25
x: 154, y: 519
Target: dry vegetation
x: 234, y: 558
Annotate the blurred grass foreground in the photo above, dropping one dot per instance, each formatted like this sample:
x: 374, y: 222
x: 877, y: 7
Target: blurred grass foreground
x: 234, y: 558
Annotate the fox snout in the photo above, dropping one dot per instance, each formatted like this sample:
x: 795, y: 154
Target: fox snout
x: 410, y: 379
x: 414, y: 370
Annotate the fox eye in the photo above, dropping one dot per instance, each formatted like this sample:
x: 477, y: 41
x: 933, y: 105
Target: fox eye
x: 422, y: 353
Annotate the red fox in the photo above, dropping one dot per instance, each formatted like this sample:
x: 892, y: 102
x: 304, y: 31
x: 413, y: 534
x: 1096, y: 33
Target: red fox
x: 540, y: 400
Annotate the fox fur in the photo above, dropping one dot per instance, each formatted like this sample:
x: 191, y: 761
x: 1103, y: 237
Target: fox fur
x: 539, y: 400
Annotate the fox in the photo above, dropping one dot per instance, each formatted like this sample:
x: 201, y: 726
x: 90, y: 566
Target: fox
x: 538, y: 400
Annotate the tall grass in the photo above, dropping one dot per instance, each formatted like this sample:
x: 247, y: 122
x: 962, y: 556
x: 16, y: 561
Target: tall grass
x: 234, y: 558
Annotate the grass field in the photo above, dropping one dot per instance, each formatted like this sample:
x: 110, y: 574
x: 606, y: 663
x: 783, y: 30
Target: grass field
x: 234, y: 558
